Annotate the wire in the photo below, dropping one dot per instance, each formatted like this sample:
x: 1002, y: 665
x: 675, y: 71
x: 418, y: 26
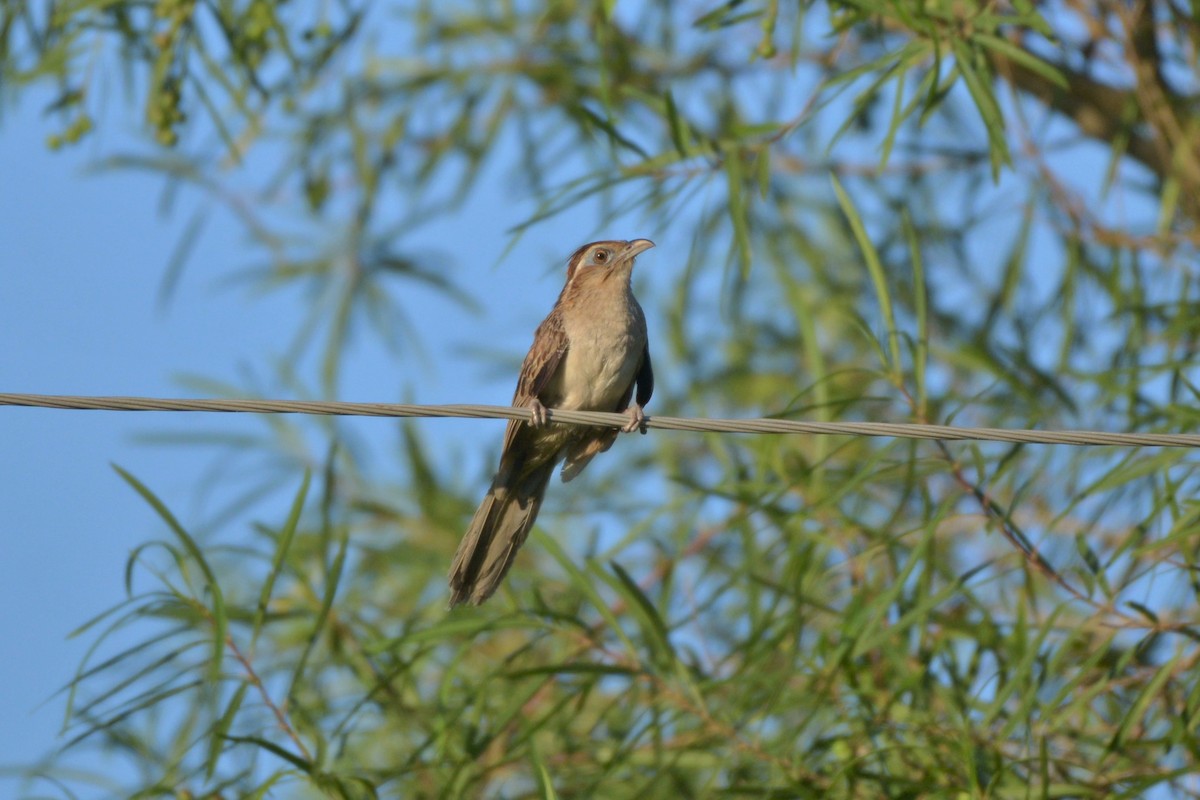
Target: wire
x: 779, y: 426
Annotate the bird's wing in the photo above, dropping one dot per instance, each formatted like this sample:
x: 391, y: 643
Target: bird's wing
x: 645, y: 379
x: 541, y: 362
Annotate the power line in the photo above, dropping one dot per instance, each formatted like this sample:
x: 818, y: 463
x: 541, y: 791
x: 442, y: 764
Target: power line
x: 779, y: 426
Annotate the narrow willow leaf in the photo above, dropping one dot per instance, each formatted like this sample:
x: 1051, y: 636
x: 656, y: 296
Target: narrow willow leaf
x: 980, y: 90
x: 545, y: 783
x: 766, y: 45
x: 297, y: 761
x: 763, y: 163
x: 1168, y: 203
x: 85, y: 672
x: 1022, y: 57
x: 652, y: 623
x: 1032, y: 17
x: 889, y: 139
x: 179, y: 257
x: 332, y: 582
x: 573, y: 668
x: 220, y: 730
x: 1021, y: 679
x: 875, y: 268
x: 870, y: 629
x: 883, y: 63
x: 611, y: 131
x: 1014, y: 265
x: 680, y: 135
x: 146, y: 701
x: 891, y: 66
x: 219, y: 621
x: 723, y: 17
x: 282, y: 544
x: 737, y: 208
x: 584, y: 584
x: 1150, y: 692
x: 920, y: 303
x: 1143, y: 610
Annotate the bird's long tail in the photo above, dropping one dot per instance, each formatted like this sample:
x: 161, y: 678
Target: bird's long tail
x: 499, y: 528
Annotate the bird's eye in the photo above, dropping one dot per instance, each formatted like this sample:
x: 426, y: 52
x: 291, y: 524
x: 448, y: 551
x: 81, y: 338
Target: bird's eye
x: 601, y: 256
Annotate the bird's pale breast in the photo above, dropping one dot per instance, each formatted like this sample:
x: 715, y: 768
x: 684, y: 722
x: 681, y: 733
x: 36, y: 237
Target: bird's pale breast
x: 604, y: 351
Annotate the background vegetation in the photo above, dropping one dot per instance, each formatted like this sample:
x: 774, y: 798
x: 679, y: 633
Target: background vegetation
x: 976, y: 213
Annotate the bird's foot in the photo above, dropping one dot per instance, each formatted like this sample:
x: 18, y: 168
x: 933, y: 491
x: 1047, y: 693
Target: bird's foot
x: 539, y: 413
x: 637, y: 419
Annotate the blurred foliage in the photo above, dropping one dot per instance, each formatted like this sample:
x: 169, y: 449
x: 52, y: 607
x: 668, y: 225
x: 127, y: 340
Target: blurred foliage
x: 774, y: 617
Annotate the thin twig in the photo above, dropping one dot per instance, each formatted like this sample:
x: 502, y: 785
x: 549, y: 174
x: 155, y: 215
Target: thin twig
x: 280, y: 717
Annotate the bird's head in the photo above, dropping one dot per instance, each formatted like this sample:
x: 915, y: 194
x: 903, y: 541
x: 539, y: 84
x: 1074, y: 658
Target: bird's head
x: 605, y: 260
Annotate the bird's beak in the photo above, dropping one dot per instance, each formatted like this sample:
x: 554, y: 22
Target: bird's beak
x: 637, y: 246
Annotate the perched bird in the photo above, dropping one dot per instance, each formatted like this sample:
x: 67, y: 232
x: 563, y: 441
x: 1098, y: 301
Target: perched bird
x: 587, y: 355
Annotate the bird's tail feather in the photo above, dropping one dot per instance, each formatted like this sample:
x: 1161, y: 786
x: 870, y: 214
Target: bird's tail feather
x: 499, y: 528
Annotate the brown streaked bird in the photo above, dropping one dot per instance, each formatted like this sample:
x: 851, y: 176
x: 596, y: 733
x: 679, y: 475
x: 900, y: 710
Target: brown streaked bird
x: 587, y: 355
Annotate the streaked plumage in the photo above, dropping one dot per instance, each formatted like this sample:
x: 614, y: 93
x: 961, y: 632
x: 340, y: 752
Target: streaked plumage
x: 587, y: 355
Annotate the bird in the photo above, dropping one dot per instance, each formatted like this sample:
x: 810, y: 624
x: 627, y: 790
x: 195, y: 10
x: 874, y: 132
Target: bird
x: 588, y: 354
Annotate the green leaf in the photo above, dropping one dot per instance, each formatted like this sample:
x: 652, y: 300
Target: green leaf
x: 332, y: 582
x: 920, y: 303
x: 220, y: 730
x: 282, y: 544
x: 653, y: 626
x: 573, y: 668
x: 875, y: 269
x: 980, y: 88
x: 737, y: 208
x: 297, y: 761
x: 1150, y: 692
x: 218, y: 618
x: 762, y: 161
x: 545, y: 784
x: 680, y: 135
x: 1022, y: 57
x: 584, y: 584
